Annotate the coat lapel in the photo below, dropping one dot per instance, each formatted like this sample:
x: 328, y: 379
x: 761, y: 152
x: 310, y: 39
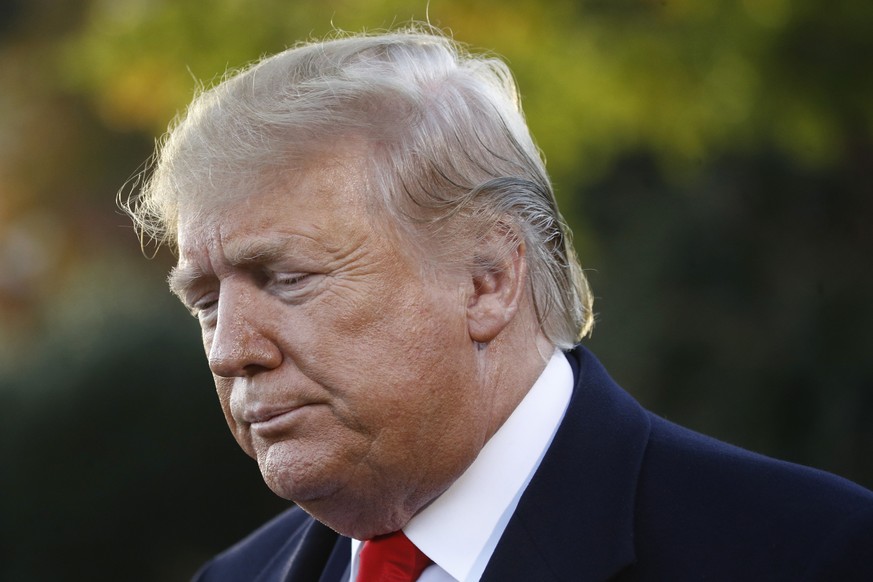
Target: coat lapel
x: 339, y: 562
x: 312, y: 556
x: 575, y: 520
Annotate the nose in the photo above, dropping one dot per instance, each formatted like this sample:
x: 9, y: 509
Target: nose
x: 241, y: 344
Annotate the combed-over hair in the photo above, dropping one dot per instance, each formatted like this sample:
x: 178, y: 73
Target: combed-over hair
x: 449, y: 153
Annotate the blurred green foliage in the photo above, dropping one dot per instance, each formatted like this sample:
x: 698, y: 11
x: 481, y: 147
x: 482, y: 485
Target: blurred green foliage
x: 715, y: 159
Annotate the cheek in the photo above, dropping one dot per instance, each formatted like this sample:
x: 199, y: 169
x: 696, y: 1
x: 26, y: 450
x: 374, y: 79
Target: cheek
x: 224, y: 390
x: 408, y: 354
x: 206, y: 337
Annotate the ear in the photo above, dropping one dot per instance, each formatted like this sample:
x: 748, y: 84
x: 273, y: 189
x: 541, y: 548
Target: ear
x: 498, y: 288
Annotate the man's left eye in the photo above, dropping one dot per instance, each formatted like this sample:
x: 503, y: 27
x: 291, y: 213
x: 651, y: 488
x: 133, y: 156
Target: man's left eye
x: 292, y: 286
x: 289, y: 279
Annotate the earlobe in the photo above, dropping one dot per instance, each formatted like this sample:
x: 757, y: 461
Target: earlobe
x: 497, y: 293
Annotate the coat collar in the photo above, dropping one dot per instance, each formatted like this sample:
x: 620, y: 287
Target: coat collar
x: 575, y: 520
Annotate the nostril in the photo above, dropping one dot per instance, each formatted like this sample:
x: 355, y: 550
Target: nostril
x: 254, y: 369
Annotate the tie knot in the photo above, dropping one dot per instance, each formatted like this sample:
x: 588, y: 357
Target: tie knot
x: 391, y: 558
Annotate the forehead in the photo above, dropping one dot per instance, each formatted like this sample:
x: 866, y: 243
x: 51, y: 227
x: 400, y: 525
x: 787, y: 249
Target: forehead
x: 309, y: 196
x: 305, y: 221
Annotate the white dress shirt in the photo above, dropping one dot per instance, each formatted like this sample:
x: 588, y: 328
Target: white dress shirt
x: 461, y: 528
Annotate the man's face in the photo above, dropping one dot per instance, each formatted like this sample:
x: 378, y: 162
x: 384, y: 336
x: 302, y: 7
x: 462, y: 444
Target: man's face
x: 341, y: 366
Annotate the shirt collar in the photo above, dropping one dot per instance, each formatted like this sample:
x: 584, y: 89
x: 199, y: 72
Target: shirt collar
x: 461, y: 528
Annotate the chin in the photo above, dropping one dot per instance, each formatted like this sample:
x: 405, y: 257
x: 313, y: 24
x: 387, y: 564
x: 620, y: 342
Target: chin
x: 299, y: 488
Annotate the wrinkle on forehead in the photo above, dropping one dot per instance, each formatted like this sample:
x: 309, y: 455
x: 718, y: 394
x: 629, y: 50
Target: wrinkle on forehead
x: 223, y: 185
x: 273, y: 218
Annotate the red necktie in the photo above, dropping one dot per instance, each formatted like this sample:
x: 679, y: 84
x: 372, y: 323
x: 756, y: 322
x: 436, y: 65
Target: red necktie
x: 391, y: 558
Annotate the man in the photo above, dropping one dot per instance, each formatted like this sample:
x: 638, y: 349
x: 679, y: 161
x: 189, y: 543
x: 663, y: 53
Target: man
x: 390, y: 306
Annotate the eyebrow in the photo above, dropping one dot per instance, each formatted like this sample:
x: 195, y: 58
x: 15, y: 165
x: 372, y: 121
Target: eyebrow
x: 181, y: 279
x: 257, y: 251
x: 244, y: 254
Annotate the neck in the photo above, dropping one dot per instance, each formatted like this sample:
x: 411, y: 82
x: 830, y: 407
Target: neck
x: 511, y: 365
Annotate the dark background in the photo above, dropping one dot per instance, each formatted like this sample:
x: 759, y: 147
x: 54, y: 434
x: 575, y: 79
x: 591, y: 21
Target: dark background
x: 714, y: 159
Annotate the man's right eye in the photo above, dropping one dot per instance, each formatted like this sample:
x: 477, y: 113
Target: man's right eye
x: 203, y: 307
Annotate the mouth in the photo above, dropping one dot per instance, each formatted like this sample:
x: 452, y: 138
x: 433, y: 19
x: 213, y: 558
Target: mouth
x: 276, y: 423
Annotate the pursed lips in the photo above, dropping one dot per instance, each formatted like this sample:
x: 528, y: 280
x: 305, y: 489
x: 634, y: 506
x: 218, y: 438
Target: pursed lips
x: 269, y: 421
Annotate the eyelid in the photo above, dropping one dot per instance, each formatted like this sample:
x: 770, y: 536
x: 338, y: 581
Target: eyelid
x: 286, y: 279
x: 202, y: 303
x: 290, y: 284
x: 295, y: 276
